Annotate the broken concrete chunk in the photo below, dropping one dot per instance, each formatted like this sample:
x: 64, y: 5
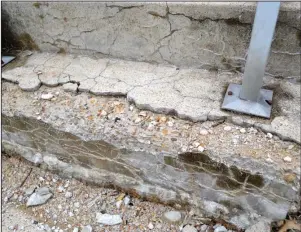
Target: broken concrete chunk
x: 70, y: 87
x: 108, y: 219
x: 39, y: 197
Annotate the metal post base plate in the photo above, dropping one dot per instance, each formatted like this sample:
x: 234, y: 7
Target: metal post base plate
x: 261, y: 108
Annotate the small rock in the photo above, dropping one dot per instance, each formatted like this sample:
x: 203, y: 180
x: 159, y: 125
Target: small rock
x: 60, y: 189
x: 227, y: 128
x: 68, y: 194
x: 87, y: 228
x: 75, y: 229
x: 204, y: 228
x: 71, y: 214
x: 143, y: 113
x: 118, y: 204
x: 47, y: 96
x: 201, y: 149
x: 170, y: 123
x: 29, y: 191
x: 172, y: 216
x: 242, y: 130
x: 163, y: 119
x: 269, y: 160
x: 104, y: 113
x: 203, y: 132
x: 260, y: 226
x: 57, y: 93
x: 137, y: 120
x: 220, y: 229
x: 39, y: 197
x: 289, y: 177
x: 39, y: 118
x: 76, y: 205
x: 108, y: 219
x: 126, y: 200
x: 189, y: 228
x: 150, y: 226
x: 184, y: 148
x: 131, y: 108
x: 287, y: 159
x: 269, y: 135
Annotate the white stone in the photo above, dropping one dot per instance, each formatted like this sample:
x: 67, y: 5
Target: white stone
x: 68, y: 194
x: 76, y: 205
x: 131, y: 108
x: 172, y: 216
x: 137, y: 120
x: 290, y: 147
x: 143, y: 113
x: 203, y: 132
x: 269, y: 135
x: 170, y: 123
x: 201, y: 149
x: 47, y: 96
x: 108, y: 219
x: 269, y: 160
x: 87, y: 228
x: 126, y: 200
x: 287, y: 159
x: 189, y: 228
x: 220, y: 229
x: 242, y: 130
x: 227, y: 128
x: 60, y: 189
x: 150, y: 226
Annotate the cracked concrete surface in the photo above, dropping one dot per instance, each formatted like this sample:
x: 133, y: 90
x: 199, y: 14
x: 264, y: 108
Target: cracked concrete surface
x: 193, y: 94
x: 187, y: 34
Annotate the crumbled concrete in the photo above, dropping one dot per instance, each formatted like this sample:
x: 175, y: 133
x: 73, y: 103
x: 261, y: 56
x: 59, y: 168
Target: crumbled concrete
x: 213, y: 35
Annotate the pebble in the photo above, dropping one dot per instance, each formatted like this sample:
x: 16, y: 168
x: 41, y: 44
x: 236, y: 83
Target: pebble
x: 201, y: 149
x: 68, y: 194
x: 76, y: 204
x: 227, y: 128
x: 172, y: 216
x: 108, y: 219
x: 60, y: 189
x: 269, y: 160
x: 75, y: 229
x: 143, y: 113
x: 184, y: 148
x: 189, y: 228
x: 287, y: 159
x: 269, y: 135
x: 131, y: 108
x: 126, y: 200
x: 137, y: 120
x: 203, y: 132
x: 57, y: 93
x: 46, y: 96
x: 150, y: 226
x: 163, y: 119
x: 242, y: 130
x: 87, y: 228
x: 220, y: 229
x: 204, y: 228
x: 39, y: 118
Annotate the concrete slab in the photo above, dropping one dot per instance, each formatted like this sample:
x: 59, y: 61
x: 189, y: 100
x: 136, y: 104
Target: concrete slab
x: 192, y: 94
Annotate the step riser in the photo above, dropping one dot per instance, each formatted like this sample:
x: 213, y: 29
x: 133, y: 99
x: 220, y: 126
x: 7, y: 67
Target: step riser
x: 192, y: 180
x: 203, y: 35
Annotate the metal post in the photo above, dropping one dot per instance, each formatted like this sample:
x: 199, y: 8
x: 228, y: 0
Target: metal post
x: 249, y: 98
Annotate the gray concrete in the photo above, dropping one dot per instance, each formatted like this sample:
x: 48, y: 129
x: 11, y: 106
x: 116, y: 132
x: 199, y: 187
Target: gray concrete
x: 213, y: 35
x: 193, y: 94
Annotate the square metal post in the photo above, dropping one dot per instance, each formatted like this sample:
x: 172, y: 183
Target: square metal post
x: 249, y: 98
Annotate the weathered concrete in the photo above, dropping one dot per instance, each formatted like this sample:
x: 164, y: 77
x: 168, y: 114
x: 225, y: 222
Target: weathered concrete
x: 196, y: 34
x: 100, y: 140
x: 193, y: 94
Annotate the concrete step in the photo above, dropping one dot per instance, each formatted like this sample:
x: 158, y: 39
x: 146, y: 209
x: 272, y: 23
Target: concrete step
x: 156, y: 131
x: 211, y: 35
